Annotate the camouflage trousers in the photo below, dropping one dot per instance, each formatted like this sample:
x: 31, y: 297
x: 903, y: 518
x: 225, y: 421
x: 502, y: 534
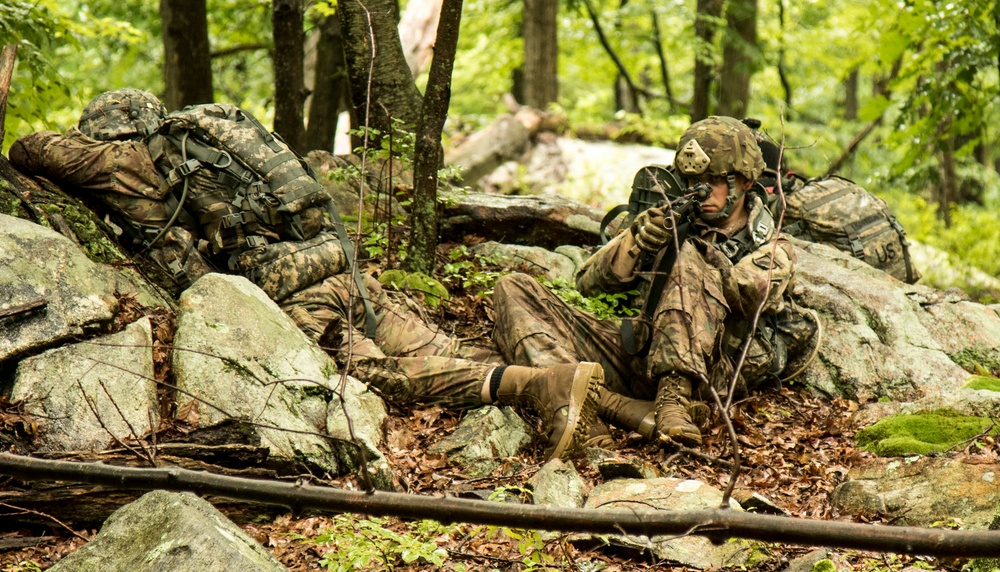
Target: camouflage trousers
x: 692, y: 333
x: 408, y: 362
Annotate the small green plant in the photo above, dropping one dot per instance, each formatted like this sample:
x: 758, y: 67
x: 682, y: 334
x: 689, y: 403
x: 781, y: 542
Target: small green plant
x: 23, y: 566
x: 363, y: 544
x: 429, y: 289
x: 604, y: 305
x: 471, y: 273
x: 530, y: 543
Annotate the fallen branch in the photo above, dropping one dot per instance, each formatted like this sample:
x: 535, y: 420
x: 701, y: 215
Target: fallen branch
x: 718, y: 524
x: 31, y: 306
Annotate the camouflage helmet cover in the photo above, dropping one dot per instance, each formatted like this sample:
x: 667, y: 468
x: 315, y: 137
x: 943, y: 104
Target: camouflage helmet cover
x: 719, y: 145
x: 122, y: 114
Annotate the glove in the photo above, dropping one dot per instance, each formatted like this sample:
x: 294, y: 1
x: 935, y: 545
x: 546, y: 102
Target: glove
x: 652, y: 229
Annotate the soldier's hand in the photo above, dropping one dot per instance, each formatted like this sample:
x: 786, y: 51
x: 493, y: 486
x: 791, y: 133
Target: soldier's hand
x: 652, y: 229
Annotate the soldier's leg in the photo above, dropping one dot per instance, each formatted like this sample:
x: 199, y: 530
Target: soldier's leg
x: 533, y: 327
x: 688, y: 325
x: 564, y: 397
x: 327, y: 306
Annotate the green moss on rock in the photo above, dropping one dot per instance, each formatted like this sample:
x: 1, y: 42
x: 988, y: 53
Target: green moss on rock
x: 920, y: 434
x: 978, y: 359
x: 983, y: 382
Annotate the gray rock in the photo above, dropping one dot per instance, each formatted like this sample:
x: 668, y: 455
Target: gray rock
x: 247, y: 360
x: 558, y: 484
x: 86, y: 395
x: 988, y: 564
x: 552, y: 265
x: 922, y: 490
x: 167, y: 532
x: 482, y: 437
x: 875, y: 341
x: 669, y: 494
x: 819, y: 560
x: 617, y: 468
x: 39, y: 263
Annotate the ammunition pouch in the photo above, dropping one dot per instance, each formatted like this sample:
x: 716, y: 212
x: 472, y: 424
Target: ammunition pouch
x: 283, y: 268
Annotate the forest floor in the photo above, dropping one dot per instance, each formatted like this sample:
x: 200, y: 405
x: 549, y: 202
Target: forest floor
x: 795, y: 449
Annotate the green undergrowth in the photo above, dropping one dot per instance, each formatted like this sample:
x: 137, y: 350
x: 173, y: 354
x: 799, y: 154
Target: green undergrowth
x: 983, y: 382
x: 921, y: 433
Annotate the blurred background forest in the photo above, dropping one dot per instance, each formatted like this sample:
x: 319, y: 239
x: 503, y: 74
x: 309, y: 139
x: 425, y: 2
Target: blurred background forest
x: 899, y: 95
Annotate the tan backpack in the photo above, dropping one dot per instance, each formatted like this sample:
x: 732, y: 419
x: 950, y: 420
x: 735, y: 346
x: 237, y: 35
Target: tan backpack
x: 839, y: 213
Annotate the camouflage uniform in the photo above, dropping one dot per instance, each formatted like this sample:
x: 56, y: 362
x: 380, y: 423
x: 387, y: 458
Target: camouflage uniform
x: 727, y: 268
x: 409, y: 359
x: 697, y: 326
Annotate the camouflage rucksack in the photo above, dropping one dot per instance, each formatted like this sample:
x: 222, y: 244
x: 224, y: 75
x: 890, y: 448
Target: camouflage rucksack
x: 837, y: 212
x: 262, y: 203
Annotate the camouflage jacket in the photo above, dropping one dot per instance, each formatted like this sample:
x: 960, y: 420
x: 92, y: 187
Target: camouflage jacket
x: 125, y: 177
x: 744, y: 282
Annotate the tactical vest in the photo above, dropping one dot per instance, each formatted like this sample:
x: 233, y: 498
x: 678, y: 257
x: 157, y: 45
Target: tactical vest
x: 837, y: 212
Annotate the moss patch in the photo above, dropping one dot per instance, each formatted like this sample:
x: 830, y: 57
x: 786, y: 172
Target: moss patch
x: 920, y: 434
x: 983, y: 382
x: 978, y: 360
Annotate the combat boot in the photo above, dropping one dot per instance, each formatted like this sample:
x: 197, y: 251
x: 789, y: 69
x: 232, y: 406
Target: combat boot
x: 673, y: 397
x: 628, y: 413
x: 564, y: 396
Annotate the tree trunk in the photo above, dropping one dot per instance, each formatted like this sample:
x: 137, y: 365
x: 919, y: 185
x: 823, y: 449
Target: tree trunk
x: 541, y: 53
x: 424, y: 238
x: 187, y: 60
x: 289, y: 75
x: 377, y: 68
x: 704, y: 29
x: 329, y: 86
x: 739, y: 58
x: 851, y: 95
x: 8, y: 57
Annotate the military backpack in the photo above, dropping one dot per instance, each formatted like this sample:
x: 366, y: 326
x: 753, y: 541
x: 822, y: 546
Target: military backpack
x: 837, y: 212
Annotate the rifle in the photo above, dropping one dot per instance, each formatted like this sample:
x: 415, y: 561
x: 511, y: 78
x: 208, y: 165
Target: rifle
x: 657, y: 186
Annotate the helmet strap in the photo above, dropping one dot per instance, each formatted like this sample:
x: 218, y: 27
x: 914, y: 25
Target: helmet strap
x: 732, y: 196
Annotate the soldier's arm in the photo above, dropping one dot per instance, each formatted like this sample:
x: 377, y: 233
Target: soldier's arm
x: 610, y: 269
x: 771, y: 265
x: 75, y: 160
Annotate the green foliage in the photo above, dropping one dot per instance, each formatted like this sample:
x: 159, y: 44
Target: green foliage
x: 475, y: 274
x: 423, y: 286
x: 920, y: 434
x: 973, y: 239
x: 983, y: 382
x: 23, y: 566
x: 604, y: 305
x: 363, y: 544
x: 824, y: 565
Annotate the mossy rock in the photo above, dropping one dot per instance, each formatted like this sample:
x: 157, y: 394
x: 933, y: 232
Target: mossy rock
x: 978, y: 359
x: 921, y: 433
x: 983, y: 382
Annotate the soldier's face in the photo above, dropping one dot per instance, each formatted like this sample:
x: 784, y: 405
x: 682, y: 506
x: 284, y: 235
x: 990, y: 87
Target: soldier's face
x: 716, y: 201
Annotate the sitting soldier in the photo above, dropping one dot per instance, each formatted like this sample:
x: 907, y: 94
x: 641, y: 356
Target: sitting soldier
x: 208, y: 189
x: 698, y: 307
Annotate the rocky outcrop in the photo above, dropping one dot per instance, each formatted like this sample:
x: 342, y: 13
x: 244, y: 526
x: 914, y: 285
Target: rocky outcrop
x: 169, y: 532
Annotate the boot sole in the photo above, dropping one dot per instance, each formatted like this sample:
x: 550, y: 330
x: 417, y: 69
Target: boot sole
x: 587, y: 383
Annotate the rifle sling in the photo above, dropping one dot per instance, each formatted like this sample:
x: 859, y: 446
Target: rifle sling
x: 664, y: 265
x: 348, y: 246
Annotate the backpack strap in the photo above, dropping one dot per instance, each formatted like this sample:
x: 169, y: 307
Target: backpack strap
x: 608, y: 218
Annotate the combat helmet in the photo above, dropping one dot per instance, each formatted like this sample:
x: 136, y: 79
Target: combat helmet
x: 720, y: 146
x: 122, y: 114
